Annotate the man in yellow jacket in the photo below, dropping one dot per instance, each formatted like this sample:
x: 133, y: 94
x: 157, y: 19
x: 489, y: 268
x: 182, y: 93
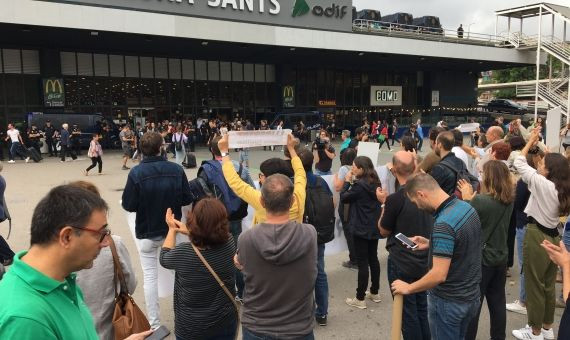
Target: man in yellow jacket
x: 252, y: 196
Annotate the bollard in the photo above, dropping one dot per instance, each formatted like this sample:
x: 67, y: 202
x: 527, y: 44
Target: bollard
x: 397, y: 309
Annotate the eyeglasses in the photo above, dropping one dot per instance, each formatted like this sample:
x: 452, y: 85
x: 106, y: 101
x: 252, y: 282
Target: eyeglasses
x: 103, y: 232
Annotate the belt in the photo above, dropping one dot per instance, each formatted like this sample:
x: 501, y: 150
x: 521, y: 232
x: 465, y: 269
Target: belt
x: 552, y: 232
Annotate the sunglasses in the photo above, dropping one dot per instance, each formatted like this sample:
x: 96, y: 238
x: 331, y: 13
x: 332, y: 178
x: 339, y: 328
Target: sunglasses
x: 102, y: 232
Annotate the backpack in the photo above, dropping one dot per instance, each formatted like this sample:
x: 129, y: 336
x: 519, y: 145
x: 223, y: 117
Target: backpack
x: 463, y: 173
x: 319, y: 210
x: 210, y: 182
x: 177, y: 143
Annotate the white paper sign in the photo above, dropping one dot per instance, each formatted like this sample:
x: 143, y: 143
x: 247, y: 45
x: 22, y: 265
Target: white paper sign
x: 434, y: 98
x: 552, y: 133
x: 250, y: 139
x: 369, y: 150
x: 468, y: 127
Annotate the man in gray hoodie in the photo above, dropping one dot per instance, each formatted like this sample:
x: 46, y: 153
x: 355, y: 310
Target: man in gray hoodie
x: 278, y: 260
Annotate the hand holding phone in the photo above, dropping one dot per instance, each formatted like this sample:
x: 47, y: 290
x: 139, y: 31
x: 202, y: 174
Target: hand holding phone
x: 406, y: 241
x: 159, y: 333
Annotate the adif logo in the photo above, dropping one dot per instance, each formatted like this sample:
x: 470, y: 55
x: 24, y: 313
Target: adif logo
x: 301, y: 7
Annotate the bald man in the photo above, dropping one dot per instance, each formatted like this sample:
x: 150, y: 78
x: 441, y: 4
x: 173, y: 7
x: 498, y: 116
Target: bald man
x: 494, y: 135
x: 400, y: 215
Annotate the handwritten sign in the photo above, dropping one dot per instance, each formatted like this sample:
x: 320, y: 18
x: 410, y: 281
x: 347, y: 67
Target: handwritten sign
x: 468, y: 127
x: 250, y: 139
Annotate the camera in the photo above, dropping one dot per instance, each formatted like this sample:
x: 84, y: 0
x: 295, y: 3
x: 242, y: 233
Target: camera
x: 320, y: 144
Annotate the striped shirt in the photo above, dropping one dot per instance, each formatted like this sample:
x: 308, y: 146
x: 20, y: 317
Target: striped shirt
x: 201, y: 308
x: 456, y: 235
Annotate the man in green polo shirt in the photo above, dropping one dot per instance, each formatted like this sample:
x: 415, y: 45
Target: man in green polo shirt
x: 39, y: 296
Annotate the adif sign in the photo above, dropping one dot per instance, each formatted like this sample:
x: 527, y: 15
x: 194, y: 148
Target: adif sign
x: 385, y: 95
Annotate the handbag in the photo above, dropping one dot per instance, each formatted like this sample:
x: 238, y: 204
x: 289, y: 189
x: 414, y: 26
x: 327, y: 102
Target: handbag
x: 221, y: 283
x: 128, y: 319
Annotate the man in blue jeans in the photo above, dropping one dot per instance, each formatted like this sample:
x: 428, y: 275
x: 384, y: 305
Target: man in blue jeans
x: 400, y: 215
x: 455, y: 263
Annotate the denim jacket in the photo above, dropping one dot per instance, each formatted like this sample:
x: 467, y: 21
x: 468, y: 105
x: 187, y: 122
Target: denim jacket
x: 152, y: 187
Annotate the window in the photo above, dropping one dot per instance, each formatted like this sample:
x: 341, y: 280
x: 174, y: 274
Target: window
x: 102, y: 91
x: 161, y: 68
x: 14, y: 89
x: 188, y: 69
x: 86, y: 91
x: 225, y: 71
x: 201, y: 70
x: 147, y: 69
x: 30, y: 62
x: 101, y: 65
x: 237, y: 72
x: 213, y: 70
x: 174, y: 69
x: 32, y: 89
x: 132, y: 66
x: 117, y: 64
x: 259, y: 73
x: 84, y: 64
x: 12, y: 61
x: 248, y: 72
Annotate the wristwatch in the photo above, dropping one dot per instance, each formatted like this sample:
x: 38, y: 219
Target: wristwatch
x: 224, y: 154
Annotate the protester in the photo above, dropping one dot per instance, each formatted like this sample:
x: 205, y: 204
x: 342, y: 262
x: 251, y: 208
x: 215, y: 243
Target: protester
x: 400, y: 215
x: 319, y: 212
x: 95, y: 152
x: 39, y: 294
x: 49, y: 132
x: 408, y: 143
x: 420, y: 130
x: 346, y: 160
x: 559, y: 255
x: 455, y: 262
x: 383, y: 136
x: 457, y: 147
x: 179, y: 139
x: 152, y: 187
x: 431, y: 158
x: 97, y: 282
x: 213, y: 178
x: 252, y: 196
x: 549, y: 188
x: 494, y: 207
x: 393, y: 132
x: 324, y: 154
x: 17, y: 146
x: 364, y: 213
x: 127, y: 138
x: 360, y: 135
x: 202, y: 309
x: 494, y: 135
x: 345, y: 136
x: 445, y: 172
x: 269, y: 255
x: 522, y: 195
x: 65, y: 144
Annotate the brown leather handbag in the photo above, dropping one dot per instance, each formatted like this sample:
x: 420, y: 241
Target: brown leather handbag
x: 128, y: 319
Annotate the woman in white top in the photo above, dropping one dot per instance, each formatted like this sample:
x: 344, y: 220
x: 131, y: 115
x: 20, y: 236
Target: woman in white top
x: 549, y: 187
x: 179, y: 139
x: 565, y: 134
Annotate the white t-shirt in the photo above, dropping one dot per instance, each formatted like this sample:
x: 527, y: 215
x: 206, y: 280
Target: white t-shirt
x: 461, y: 154
x: 14, y: 135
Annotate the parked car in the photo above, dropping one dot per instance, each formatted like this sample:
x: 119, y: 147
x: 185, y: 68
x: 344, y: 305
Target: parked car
x: 505, y: 105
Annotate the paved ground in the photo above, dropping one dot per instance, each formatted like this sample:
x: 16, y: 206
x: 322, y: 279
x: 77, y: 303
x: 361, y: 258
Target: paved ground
x: 28, y: 183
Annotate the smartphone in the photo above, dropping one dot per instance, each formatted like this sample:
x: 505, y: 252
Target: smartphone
x: 158, y: 334
x: 402, y: 238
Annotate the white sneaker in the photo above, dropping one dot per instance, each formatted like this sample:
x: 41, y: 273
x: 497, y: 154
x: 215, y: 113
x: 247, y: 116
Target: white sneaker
x: 373, y: 297
x: 11, y: 161
x: 526, y: 334
x: 548, y: 334
x: 516, y: 307
x: 27, y: 159
x: 354, y: 302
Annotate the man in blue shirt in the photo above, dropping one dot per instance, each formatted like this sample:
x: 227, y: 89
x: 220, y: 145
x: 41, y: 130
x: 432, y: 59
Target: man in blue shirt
x: 65, y: 143
x: 455, y: 259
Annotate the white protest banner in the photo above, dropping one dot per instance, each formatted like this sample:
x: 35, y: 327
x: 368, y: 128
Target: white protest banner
x: 250, y: 139
x: 370, y: 150
x: 468, y: 127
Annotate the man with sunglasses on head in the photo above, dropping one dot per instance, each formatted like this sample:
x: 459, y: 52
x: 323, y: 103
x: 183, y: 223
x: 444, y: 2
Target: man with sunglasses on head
x: 39, y: 294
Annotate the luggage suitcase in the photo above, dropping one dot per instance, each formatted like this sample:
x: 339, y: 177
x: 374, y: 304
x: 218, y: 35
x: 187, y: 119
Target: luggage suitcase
x: 189, y: 161
x: 34, y: 154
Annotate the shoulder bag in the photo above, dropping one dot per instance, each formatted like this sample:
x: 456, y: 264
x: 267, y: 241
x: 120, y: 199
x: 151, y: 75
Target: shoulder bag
x: 128, y: 319
x: 221, y: 283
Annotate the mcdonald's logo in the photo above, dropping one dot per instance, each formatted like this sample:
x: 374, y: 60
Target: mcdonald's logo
x: 54, y: 93
x: 288, y: 96
x: 55, y: 84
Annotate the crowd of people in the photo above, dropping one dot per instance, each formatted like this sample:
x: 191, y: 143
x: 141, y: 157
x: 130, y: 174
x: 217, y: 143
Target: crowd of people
x: 451, y: 220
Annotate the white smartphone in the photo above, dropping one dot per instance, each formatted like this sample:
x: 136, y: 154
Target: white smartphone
x: 406, y: 241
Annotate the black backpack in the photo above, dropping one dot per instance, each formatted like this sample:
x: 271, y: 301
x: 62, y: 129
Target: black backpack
x: 462, y: 173
x: 319, y: 210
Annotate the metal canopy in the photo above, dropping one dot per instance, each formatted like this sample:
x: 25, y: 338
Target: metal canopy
x: 530, y: 11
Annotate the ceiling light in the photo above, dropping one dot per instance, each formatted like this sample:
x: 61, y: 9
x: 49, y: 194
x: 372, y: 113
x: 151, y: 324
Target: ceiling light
x: 94, y: 33
x: 292, y: 49
x: 204, y: 43
x: 422, y: 58
x: 361, y: 53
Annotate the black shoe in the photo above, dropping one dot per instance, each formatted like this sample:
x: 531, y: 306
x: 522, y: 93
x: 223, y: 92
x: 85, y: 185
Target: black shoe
x: 321, y: 320
x: 350, y: 265
x: 125, y: 167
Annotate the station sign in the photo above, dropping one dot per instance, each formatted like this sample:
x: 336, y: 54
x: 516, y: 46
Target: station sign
x: 332, y: 15
x: 54, y: 94
x: 385, y: 95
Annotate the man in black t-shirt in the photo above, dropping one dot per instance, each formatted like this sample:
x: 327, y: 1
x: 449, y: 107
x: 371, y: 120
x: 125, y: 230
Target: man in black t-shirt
x: 324, y: 154
x: 360, y: 136
x: 400, y: 215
